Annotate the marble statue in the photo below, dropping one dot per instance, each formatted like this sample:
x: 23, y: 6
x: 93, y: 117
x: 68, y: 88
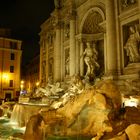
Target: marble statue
x: 55, y: 88
x: 49, y: 90
x: 40, y: 92
x: 132, y: 45
x: 76, y: 87
x: 67, y: 66
x: 67, y: 31
x: 90, y: 58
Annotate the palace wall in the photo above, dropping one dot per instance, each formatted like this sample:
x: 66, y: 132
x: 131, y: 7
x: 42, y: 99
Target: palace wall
x: 110, y: 27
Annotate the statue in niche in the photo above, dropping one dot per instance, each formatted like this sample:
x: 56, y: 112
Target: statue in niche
x: 90, y: 57
x: 67, y: 31
x: 50, y: 66
x: 132, y: 45
x: 67, y: 64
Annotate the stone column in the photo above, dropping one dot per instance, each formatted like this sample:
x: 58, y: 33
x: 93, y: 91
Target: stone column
x: 77, y: 57
x: 72, y: 45
x: 111, y: 58
x: 118, y: 40
x: 62, y: 55
x: 57, y: 55
x: 105, y: 53
x: 81, y: 59
x: 47, y: 59
x: 40, y: 68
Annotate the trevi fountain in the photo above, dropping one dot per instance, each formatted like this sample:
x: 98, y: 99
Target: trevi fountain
x: 89, y: 76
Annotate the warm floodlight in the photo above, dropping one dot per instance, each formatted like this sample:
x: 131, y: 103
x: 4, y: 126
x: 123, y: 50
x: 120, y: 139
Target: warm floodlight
x: 37, y: 83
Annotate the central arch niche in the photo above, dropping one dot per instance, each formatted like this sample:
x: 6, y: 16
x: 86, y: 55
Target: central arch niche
x: 92, y: 32
x: 91, y: 24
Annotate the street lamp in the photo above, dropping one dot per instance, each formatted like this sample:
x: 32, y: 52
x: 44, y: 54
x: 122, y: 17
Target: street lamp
x: 22, y: 85
x: 5, y: 78
x: 22, y: 82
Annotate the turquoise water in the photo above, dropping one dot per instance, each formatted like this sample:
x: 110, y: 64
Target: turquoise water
x: 7, y: 129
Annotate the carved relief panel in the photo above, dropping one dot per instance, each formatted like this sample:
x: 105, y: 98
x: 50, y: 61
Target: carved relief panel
x: 126, y: 4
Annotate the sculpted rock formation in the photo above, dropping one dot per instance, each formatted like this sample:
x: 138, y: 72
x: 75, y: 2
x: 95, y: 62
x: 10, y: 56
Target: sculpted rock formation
x: 95, y: 112
x: 34, y: 129
x: 88, y: 113
x: 135, y: 128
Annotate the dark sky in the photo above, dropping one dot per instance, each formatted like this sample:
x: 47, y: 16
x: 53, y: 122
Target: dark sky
x: 24, y: 17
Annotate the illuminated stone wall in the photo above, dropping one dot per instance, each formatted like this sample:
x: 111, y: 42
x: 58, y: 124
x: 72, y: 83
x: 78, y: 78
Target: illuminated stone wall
x: 71, y: 26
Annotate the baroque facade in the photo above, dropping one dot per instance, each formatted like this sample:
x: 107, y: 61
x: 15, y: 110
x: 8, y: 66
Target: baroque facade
x: 110, y: 26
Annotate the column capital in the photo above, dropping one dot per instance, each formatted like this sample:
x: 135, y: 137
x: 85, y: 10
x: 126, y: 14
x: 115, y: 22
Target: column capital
x: 80, y: 40
x: 72, y: 14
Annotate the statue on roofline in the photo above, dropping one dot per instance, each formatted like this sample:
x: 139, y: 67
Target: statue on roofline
x: 58, y: 4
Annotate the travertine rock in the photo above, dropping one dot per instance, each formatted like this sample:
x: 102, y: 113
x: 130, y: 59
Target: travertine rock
x: 100, y: 101
x: 121, y: 137
x: 89, y: 112
x: 34, y: 128
x: 1, y: 112
x: 110, y: 90
x: 133, y: 132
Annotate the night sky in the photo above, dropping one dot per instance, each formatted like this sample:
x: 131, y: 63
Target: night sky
x: 24, y: 17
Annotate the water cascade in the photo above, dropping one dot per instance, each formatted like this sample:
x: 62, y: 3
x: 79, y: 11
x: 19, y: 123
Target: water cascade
x: 22, y: 113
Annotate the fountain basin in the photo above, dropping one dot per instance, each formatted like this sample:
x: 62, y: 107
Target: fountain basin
x: 23, y: 111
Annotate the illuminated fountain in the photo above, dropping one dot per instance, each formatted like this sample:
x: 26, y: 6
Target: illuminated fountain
x: 82, y: 111
x: 76, y: 111
x: 9, y: 129
x: 70, y: 113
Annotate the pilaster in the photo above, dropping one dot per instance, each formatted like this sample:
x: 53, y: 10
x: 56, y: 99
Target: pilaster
x: 111, y: 47
x: 81, y: 58
x: 77, y: 58
x: 72, y: 45
x: 57, y: 54
x: 62, y: 55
